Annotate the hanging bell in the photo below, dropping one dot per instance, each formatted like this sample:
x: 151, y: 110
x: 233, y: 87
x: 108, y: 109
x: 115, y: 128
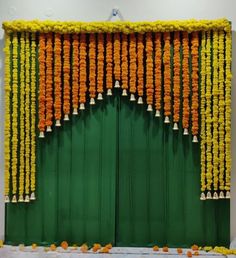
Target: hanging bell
x: 175, y: 128
x: 92, y: 101
x: 215, y: 196
x: 14, y: 200
x: 49, y: 128
x: 27, y: 199
x: 195, y: 140
x: 222, y: 196
x: 209, y: 196
x: 157, y: 114
x: 124, y: 92
x: 185, y: 131
x: 132, y: 97
x: 109, y: 92
x: 149, y: 108
x: 227, y: 195
x: 167, y: 120
x: 82, y: 106
x: 140, y: 100
x: 117, y: 84
x: 203, y: 197
x: 58, y: 123
x: 75, y: 111
x: 32, y: 196
x: 21, y: 198
x: 99, y: 96
x: 7, y: 199
x: 66, y: 117
x: 41, y: 135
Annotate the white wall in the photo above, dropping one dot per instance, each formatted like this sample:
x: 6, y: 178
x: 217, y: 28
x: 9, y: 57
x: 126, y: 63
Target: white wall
x: 133, y: 10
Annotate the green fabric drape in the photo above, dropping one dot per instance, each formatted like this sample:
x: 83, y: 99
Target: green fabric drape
x: 116, y: 174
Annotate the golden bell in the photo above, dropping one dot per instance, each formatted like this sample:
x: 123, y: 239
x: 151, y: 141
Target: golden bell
x: 21, y: 198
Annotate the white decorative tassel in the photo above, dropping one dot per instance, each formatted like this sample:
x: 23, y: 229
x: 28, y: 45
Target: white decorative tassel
x: 167, y: 120
x: 7, y: 199
x: 21, y: 198
x: 222, y: 196
x: 99, y: 96
x: 41, y: 135
x: 75, y: 111
x: 203, y: 197
x: 209, y: 196
x: 117, y: 84
x: 32, y: 196
x: 158, y: 114
x: 227, y: 195
x: 195, y: 140
x: 58, y: 123
x: 140, y: 100
x: 66, y: 117
x: 27, y: 199
x: 92, y: 101
x: 14, y: 200
x: 185, y: 131
x: 124, y: 92
x: 109, y: 92
x: 175, y: 127
x: 215, y: 196
x: 82, y: 106
x: 49, y: 128
x: 149, y: 108
x: 132, y: 97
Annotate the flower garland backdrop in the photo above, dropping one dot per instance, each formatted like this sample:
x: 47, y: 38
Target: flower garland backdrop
x: 181, y: 71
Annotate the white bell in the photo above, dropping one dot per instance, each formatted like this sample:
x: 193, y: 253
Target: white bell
x: 14, y: 200
x: 140, y: 100
x: 149, y: 108
x: 41, y: 135
x: 7, y: 199
x: 124, y: 92
x: 222, y: 196
x: 100, y: 96
x: 227, y: 195
x: 27, y: 199
x: 175, y: 127
x: 75, y: 111
x: 66, y: 117
x: 32, y: 196
x: 203, y: 197
x: 209, y: 196
x: 82, y: 106
x: 185, y: 131
x: 158, y: 114
x: 92, y: 101
x: 167, y: 120
x: 58, y: 123
x: 117, y: 84
x: 215, y: 196
x: 132, y: 97
x: 21, y: 198
x: 49, y: 128
x: 195, y: 140
x: 109, y: 92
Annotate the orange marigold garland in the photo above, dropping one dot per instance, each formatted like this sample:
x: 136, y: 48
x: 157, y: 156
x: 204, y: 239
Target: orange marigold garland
x: 176, y: 86
x: 167, y: 77
x: 124, y: 64
x: 149, y: 70
x: 109, y: 66
x: 100, y: 65
x: 92, y: 68
x: 57, y: 78
x: 66, y: 76
x: 75, y: 74
x: 158, y: 57
x: 49, y: 81
x: 195, y: 104
x: 132, y: 66
x: 117, y: 59
x: 140, y: 71
x: 42, y: 84
x: 186, y: 88
x: 83, y: 73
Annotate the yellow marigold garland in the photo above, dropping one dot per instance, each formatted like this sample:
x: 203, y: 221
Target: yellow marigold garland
x: 49, y: 81
x: 195, y: 104
x: 7, y: 128
x: 42, y: 84
x: 66, y: 76
x: 124, y: 64
x: 176, y: 86
x: 57, y: 78
x: 158, y: 75
x: 140, y: 70
x: 117, y: 70
x: 82, y: 71
x: 186, y: 88
x: 22, y: 118
x: 132, y: 66
x: 100, y: 65
x: 167, y: 77
x: 109, y: 66
x: 149, y: 70
x: 92, y: 68
x: 75, y: 74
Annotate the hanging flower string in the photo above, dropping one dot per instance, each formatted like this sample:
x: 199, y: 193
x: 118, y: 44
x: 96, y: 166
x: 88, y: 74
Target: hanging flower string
x: 176, y: 86
x: 109, y: 66
x: 132, y: 66
x: 75, y: 74
x: 117, y: 70
x: 140, y: 70
x: 82, y: 71
x: 92, y: 68
x: 100, y: 65
x: 124, y: 64
x: 158, y: 75
x: 195, y: 105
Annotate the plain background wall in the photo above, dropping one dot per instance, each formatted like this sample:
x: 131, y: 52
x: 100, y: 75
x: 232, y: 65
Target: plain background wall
x: 133, y: 10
